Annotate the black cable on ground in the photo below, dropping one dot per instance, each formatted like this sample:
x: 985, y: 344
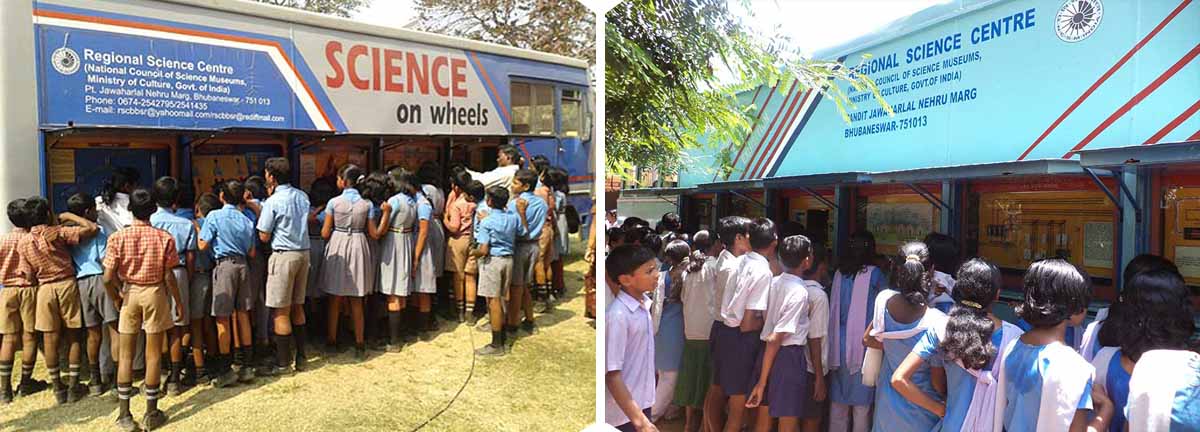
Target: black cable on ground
x: 470, y: 374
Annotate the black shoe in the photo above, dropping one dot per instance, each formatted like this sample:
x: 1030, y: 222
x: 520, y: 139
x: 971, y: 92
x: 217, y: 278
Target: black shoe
x: 187, y: 378
x: 462, y: 316
x: 96, y: 389
x: 127, y: 424
x: 245, y: 374
x: 301, y: 363
x: 360, y: 354
x: 225, y: 379
x: 33, y: 386
x: 76, y: 393
x: 275, y: 370
x: 60, y: 396
x: 490, y: 350
x: 154, y: 419
x: 529, y: 327
x: 6, y: 397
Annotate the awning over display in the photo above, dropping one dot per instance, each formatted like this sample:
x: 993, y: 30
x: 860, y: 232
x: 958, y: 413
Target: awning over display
x: 1141, y: 155
x: 731, y: 185
x: 980, y: 171
x: 817, y: 180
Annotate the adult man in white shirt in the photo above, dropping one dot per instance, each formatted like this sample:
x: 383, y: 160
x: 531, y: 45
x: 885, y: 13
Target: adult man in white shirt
x: 509, y: 160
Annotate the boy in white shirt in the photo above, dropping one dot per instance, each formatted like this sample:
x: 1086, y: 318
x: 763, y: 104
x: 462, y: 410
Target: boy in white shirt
x: 733, y: 236
x: 629, y: 340
x: 742, y: 313
x: 781, y: 371
x: 818, y: 350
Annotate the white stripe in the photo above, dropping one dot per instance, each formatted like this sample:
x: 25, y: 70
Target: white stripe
x: 276, y: 56
x: 804, y: 107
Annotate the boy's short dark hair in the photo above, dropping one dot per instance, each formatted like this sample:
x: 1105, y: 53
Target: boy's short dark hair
x: 141, y: 203
x: 279, y: 168
x: 233, y: 192
x: 460, y: 178
x: 16, y: 213
x: 474, y: 190
x: 614, y: 234
x: 625, y: 259
x: 794, y: 250
x: 80, y: 203
x: 540, y: 163
x: 730, y: 226
x: 37, y: 211
x: 207, y: 203
x: 257, y: 187
x: 1054, y: 291
x: 166, y: 191
x: 527, y: 178
x: 762, y: 233
x: 497, y: 197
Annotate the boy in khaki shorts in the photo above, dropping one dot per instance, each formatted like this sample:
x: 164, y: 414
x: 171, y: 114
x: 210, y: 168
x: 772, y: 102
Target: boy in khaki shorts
x: 17, y: 305
x: 459, y: 222
x: 496, y: 234
x: 532, y: 211
x: 47, y: 249
x: 141, y: 258
x: 283, y: 224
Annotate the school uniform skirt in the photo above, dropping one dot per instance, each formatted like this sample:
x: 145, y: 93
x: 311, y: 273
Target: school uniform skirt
x: 436, y: 244
x: 425, y: 281
x: 395, y: 263
x: 695, y: 374
x: 349, y: 269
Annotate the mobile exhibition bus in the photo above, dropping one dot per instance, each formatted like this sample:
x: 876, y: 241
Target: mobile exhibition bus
x: 208, y: 90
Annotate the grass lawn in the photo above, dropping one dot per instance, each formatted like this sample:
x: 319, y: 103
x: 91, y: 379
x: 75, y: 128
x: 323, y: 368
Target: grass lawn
x: 546, y: 383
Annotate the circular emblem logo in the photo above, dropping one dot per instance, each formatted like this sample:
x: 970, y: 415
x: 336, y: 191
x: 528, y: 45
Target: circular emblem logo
x: 1078, y: 19
x: 65, y: 61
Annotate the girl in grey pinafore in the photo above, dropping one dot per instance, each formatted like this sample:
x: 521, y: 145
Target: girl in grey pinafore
x: 396, y: 247
x: 425, y: 281
x: 349, y: 269
x: 437, y: 232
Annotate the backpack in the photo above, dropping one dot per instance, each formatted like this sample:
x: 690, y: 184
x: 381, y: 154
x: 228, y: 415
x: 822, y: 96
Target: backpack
x: 572, y: 219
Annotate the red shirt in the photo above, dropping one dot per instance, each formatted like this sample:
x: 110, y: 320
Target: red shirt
x: 14, y: 271
x: 47, y: 249
x: 141, y: 254
x: 460, y: 216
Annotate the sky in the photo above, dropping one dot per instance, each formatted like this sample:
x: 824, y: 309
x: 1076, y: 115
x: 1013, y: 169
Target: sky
x: 833, y: 22
x: 814, y: 25
x: 394, y: 13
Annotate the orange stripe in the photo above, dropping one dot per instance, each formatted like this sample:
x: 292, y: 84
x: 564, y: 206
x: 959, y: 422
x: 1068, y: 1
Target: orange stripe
x: 155, y: 27
x: 1170, y: 126
x: 492, y: 88
x: 773, y: 145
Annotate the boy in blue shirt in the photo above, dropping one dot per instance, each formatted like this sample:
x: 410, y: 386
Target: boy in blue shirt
x: 230, y: 234
x: 496, y: 234
x: 531, y: 209
x: 94, y: 304
x: 166, y: 195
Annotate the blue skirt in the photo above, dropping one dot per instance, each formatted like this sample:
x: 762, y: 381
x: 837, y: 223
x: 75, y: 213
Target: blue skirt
x: 668, y: 343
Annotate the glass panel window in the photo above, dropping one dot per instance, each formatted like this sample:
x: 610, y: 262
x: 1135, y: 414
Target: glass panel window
x: 572, y: 113
x: 543, y: 110
x: 522, y: 109
x: 532, y: 109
